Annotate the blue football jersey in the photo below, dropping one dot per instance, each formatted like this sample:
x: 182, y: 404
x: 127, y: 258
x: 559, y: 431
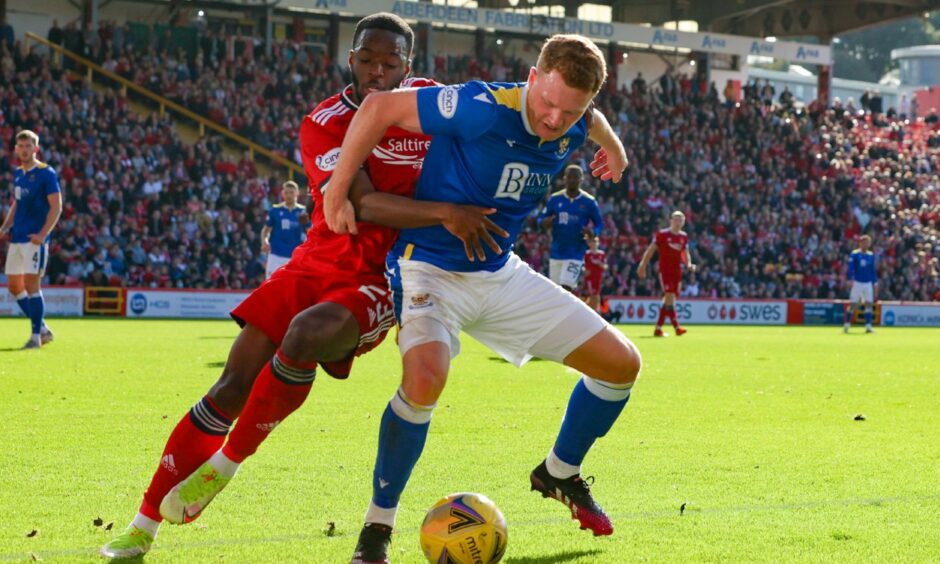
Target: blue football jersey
x: 862, y: 266
x: 483, y: 153
x: 31, y: 190
x: 570, y: 217
x: 286, y: 229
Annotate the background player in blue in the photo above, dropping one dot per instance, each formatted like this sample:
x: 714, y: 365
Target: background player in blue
x: 37, y: 203
x: 495, y: 146
x: 574, y: 217
x: 863, y: 275
x: 285, y: 228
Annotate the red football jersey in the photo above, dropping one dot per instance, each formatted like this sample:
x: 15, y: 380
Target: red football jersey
x: 671, y: 248
x: 594, y: 264
x: 393, y: 167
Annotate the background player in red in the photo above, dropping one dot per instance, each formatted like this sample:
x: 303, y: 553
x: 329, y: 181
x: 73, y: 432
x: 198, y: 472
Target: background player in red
x: 595, y: 265
x: 673, y: 246
x: 327, y: 305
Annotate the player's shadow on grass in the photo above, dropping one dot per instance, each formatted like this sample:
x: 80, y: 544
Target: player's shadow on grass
x: 567, y: 556
x: 14, y: 349
x: 503, y: 360
x: 216, y: 364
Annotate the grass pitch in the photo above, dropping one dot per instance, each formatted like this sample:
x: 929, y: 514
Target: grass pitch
x: 752, y: 430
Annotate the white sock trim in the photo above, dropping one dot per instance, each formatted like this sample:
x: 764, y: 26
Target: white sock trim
x: 21, y: 295
x: 141, y: 521
x: 36, y: 295
x: 383, y: 515
x: 559, y: 468
x: 223, y: 464
x: 409, y: 410
x: 607, y: 391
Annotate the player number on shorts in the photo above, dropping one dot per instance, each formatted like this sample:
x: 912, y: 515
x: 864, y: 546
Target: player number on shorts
x: 36, y: 259
x: 574, y: 269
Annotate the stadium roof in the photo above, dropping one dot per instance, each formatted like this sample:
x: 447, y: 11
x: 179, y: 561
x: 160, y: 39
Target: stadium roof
x: 757, y: 18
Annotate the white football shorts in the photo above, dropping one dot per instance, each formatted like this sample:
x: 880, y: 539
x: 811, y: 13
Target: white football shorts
x: 515, y: 311
x: 26, y: 258
x: 274, y: 262
x: 565, y: 272
x: 862, y: 292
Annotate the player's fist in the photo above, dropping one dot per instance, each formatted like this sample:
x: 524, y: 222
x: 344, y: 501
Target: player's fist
x: 641, y: 272
x: 37, y: 239
x: 265, y: 246
x: 692, y: 268
x: 339, y: 213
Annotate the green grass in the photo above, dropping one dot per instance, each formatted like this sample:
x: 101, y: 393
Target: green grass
x: 752, y: 428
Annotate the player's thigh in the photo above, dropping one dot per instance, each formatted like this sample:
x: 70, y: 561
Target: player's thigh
x: 523, y: 308
x: 325, y: 332
x: 251, y: 350
x: 607, y: 356
x: 431, y: 304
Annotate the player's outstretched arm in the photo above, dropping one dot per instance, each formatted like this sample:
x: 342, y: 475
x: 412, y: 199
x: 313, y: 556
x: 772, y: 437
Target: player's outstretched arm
x: 611, y: 160
x: 378, y: 112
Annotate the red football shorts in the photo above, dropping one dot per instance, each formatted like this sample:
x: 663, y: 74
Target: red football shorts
x: 592, y: 285
x: 291, y: 290
x: 670, y: 282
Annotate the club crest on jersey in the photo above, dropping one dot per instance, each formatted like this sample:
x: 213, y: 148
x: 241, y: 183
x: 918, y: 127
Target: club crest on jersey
x: 327, y: 161
x: 420, y: 301
x: 517, y: 181
x: 563, y: 147
x: 447, y: 101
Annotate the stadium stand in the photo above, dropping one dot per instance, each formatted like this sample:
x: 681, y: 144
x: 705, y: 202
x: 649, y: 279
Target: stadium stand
x: 775, y: 192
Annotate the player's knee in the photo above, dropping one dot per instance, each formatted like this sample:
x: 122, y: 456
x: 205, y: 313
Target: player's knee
x: 315, y: 336
x: 425, y: 372
x: 624, y: 365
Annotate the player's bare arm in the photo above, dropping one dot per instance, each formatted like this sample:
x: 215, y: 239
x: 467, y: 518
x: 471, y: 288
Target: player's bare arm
x: 55, y: 208
x: 611, y: 159
x: 377, y: 113
x: 468, y: 223
x: 644, y: 262
x: 8, y: 220
x: 266, y: 239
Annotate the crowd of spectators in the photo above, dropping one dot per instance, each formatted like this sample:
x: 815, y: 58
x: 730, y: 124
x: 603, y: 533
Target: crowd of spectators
x: 775, y: 193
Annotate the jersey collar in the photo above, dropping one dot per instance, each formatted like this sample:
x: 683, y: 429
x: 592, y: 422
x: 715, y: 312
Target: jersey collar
x: 347, y: 99
x: 525, y: 113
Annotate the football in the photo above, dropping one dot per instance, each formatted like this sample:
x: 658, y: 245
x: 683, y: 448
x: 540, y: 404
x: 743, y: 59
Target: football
x: 464, y: 528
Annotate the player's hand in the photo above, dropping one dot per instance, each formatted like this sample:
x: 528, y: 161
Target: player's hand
x: 607, y: 166
x: 692, y: 268
x: 641, y: 272
x: 303, y: 218
x: 37, y: 239
x: 471, y: 225
x: 339, y: 213
x: 3, y: 232
x: 265, y: 246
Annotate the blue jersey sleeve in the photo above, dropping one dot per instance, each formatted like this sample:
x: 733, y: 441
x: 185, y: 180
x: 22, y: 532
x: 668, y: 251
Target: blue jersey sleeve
x: 597, y: 218
x: 465, y: 110
x: 52, y: 183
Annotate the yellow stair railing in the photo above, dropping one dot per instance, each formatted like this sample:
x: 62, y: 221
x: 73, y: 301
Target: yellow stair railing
x: 295, y: 171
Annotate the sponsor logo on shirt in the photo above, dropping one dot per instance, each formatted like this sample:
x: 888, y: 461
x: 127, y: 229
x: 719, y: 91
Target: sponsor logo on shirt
x: 447, y: 101
x: 327, y: 161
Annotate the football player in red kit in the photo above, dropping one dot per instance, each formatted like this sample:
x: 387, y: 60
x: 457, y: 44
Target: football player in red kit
x: 595, y: 265
x: 673, y: 246
x: 326, y: 306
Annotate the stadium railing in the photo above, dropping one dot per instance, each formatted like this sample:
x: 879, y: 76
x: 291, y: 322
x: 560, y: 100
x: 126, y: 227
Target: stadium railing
x: 295, y: 171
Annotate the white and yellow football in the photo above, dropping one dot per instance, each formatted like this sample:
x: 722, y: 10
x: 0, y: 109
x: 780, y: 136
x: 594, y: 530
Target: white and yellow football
x: 464, y: 528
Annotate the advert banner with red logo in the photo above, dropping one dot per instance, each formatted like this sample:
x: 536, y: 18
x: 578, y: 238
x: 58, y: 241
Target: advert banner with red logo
x: 730, y: 312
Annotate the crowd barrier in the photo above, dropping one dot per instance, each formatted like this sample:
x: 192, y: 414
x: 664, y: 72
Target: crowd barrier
x: 215, y: 304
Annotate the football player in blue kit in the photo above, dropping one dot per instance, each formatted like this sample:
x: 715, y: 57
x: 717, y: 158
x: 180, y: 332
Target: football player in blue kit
x: 495, y: 145
x: 574, y: 218
x: 37, y: 204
